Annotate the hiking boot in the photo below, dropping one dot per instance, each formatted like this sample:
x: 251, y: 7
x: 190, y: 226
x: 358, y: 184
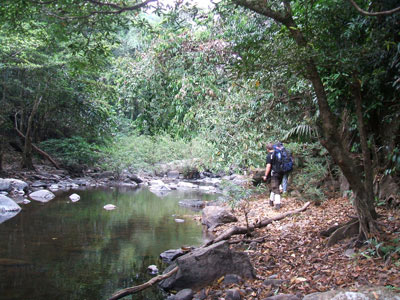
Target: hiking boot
x: 271, y: 203
x: 278, y: 207
x: 284, y: 194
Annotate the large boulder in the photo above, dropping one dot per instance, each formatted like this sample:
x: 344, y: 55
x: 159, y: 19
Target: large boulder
x: 8, y: 208
x: 10, y: 184
x: 362, y: 293
x: 213, y: 216
x: 202, y: 266
x: 5, y: 185
x: 7, y: 204
x: 42, y: 196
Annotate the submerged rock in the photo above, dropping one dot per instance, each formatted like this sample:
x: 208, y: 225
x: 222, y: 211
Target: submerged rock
x: 109, y: 207
x: 196, y: 203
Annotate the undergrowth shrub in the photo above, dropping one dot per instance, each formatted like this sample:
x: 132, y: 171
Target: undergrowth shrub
x: 144, y: 153
x: 311, y: 169
x: 72, y: 151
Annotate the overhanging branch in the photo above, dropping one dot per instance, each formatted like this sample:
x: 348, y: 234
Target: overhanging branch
x: 373, y: 14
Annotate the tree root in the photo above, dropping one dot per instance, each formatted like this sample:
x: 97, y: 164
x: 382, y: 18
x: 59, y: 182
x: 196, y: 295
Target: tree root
x: 138, y: 288
x: 347, y: 230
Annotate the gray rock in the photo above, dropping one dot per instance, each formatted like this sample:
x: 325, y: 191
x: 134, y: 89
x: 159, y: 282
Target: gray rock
x: 39, y: 184
x: 362, y: 293
x: 232, y: 279
x: 170, y: 255
x: 105, y: 174
x: 283, y: 297
x: 81, y: 181
x: 185, y: 294
x: 5, y: 185
x: 202, y: 266
x: 233, y: 294
x: 42, y: 195
x: 152, y: 269
x: 10, y: 184
x: 200, y: 295
x: 195, y: 203
x: 8, y: 205
x: 8, y: 208
x: 135, y: 178
x: 273, y: 282
x: 75, y: 197
x: 213, y: 216
x: 183, y: 185
x: 174, y: 174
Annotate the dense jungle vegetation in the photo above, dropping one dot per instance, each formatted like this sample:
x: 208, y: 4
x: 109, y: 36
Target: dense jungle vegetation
x: 126, y: 85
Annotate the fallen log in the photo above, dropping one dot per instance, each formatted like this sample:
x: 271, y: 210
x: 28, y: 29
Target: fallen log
x: 135, y: 289
x: 235, y: 230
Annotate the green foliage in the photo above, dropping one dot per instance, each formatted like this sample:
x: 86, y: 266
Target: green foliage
x: 311, y: 170
x: 383, y: 249
x: 146, y: 153
x: 73, y: 151
x: 394, y: 162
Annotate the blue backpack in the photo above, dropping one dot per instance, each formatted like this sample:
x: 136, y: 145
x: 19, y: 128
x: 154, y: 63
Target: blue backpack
x: 283, y: 162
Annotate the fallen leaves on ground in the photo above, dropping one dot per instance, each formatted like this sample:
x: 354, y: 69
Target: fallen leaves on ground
x: 294, y: 250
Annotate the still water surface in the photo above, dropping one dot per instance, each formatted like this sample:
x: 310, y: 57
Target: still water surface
x: 76, y: 251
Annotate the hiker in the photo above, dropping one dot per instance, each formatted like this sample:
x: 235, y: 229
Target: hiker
x: 273, y: 169
x: 287, y: 166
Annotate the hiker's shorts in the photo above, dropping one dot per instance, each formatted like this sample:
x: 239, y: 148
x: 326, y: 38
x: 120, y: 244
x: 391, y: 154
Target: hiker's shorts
x: 276, y: 181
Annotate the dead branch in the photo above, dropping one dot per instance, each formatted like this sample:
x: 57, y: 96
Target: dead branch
x: 135, y: 289
x: 37, y: 149
x: 224, y: 236
x: 235, y: 230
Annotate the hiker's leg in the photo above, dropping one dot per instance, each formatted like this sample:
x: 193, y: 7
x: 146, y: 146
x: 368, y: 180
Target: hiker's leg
x: 285, y: 182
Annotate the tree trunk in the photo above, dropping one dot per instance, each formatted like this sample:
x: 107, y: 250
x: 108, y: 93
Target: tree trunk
x: 331, y: 138
x: 27, y: 154
x: 367, y: 163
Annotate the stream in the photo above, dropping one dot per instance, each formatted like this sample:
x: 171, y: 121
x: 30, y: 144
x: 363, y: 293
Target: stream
x: 78, y: 250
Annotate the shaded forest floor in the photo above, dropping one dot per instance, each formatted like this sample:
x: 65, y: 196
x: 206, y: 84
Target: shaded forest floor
x: 295, y: 252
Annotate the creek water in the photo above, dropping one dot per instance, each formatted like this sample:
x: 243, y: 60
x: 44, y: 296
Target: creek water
x: 64, y: 250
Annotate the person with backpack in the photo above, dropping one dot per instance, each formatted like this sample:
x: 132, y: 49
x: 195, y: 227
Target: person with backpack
x: 273, y: 170
x: 286, y: 165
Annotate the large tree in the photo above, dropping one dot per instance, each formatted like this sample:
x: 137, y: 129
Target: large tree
x: 292, y: 15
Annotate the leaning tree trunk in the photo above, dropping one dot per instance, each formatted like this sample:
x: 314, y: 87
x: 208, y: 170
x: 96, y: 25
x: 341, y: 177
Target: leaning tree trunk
x: 329, y: 125
x: 27, y: 154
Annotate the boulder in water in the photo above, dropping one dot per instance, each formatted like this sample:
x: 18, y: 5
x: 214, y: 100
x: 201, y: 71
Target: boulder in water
x: 42, y: 196
x: 75, y: 197
x: 8, y: 208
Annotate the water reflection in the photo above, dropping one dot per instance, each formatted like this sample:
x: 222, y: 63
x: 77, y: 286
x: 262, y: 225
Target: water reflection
x: 66, y: 250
